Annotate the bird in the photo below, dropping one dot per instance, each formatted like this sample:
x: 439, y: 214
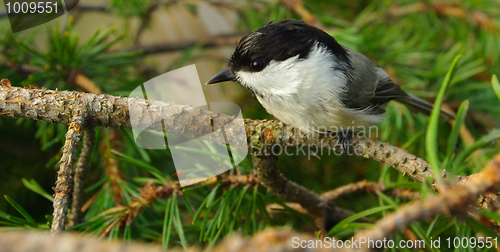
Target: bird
x: 306, y: 79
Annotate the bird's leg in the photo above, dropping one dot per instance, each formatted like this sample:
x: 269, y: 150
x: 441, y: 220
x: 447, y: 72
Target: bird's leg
x: 344, y: 139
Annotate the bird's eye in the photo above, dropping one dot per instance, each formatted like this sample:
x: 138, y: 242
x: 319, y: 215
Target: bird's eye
x: 258, y: 65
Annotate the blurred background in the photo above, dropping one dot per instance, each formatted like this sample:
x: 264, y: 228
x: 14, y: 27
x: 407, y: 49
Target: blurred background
x: 114, y: 46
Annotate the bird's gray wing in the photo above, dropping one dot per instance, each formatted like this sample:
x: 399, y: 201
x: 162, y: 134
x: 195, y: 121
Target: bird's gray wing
x: 386, y: 89
x: 368, y: 86
x: 361, y: 80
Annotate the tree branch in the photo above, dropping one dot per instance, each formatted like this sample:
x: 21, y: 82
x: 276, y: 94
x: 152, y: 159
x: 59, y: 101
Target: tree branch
x: 145, y: 20
x: 325, y: 213
x: 297, y: 7
x: 263, y: 136
x: 113, y: 111
x: 272, y: 178
x: 221, y: 40
x: 270, y: 239
x: 352, y: 188
x: 65, y: 175
x: 151, y: 192
x: 81, y: 171
x: 452, y: 200
x: 38, y: 241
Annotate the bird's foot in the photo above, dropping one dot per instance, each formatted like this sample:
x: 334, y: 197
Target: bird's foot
x: 344, y: 139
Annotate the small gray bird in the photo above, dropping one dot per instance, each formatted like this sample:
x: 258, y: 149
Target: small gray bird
x: 303, y: 77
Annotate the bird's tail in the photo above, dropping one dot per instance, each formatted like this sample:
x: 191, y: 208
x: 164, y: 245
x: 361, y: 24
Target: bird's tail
x: 419, y: 104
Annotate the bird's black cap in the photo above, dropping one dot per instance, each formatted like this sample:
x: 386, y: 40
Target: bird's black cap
x: 279, y: 41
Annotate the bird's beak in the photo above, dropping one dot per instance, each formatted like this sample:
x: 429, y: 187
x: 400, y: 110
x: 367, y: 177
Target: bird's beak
x: 224, y: 75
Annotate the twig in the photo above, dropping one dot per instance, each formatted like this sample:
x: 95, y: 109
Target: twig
x: 81, y: 171
x: 250, y: 180
x: 148, y: 194
x: 222, y: 40
x: 79, y: 80
x: 23, y: 70
x: 90, y: 7
x: 113, y: 171
x: 272, y: 178
x: 449, y: 201
x: 364, y: 186
x: 352, y: 188
x: 65, y: 175
x: 446, y: 9
x: 146, y: 18
x: 75, y: 78
x: 403, y: 193
x: 297, y: 7
x: 277, y: 208
x: 236, y: 5
x: 325, y: 214
x: 113, y: 165
x: 151, y: 192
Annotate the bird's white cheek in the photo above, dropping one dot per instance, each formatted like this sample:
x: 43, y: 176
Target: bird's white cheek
x: 278, y: 78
